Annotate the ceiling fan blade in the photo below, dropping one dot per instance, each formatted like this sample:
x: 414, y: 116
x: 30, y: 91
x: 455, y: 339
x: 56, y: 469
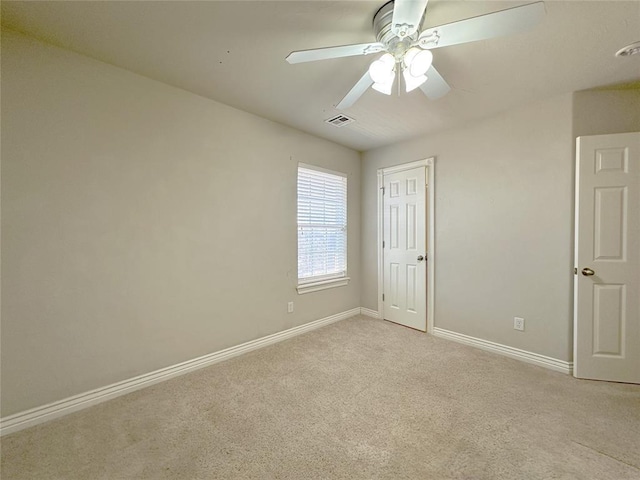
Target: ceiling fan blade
x: 356, y: 92
x: 435, y: 86
x: 497, y: 24
x: 406, y: 16
x: 334, y: 52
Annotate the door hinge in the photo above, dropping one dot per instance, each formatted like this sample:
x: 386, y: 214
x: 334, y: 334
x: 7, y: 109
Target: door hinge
x: 383, y: 244
x: 383, y: 297
x: 382, y: 188
x: 575, y: 270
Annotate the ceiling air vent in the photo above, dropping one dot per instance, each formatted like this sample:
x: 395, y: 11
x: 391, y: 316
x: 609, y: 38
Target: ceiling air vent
x: 340, y: 120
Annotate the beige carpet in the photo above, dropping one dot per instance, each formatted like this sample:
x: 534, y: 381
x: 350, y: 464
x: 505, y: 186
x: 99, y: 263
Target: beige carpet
x: 360, y: 399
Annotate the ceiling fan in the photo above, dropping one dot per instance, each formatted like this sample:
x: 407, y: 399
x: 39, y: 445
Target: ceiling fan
x: 397, y: 27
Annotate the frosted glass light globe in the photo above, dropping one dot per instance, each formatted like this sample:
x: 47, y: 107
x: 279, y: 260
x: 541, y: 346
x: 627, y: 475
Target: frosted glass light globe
x: 411, y: 82
x: 382, y: 69
x: 409, y: 55
x: 385, y: 87
x: 420, y: 63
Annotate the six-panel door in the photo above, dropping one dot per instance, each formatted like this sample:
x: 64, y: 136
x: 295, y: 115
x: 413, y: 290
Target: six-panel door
x: 607, y: 280
x: 404, y: 250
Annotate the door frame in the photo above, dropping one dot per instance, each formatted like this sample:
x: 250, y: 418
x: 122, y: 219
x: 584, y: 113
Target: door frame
x: 430, y: 164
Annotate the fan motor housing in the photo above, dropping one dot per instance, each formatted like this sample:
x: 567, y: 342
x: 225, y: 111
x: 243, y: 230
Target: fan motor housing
x: 382, y: 29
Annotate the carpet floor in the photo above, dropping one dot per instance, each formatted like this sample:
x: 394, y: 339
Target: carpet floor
x: 358, y: 399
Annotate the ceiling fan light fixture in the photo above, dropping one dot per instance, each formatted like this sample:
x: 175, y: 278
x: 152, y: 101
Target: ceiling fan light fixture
x: 409, y: 55
x: 397, y: 26
x: 411, y: 82
x: 385, y: 87
x: 420, y: 62
x: 382, y: 69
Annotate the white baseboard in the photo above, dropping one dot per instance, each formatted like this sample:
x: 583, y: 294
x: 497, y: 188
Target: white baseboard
x: 523, y: 355
x: 35, y: 416
x: 369, y: 313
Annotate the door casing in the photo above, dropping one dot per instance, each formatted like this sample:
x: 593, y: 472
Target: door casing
x: 431, y: 244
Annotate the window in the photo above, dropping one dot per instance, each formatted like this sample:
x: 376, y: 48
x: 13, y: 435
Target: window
x: 322, y: 229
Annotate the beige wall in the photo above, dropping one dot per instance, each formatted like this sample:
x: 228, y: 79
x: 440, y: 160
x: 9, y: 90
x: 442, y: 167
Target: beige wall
x: 503, y: 235
x: 504, y: 217
x: 600, y: 112
x: 142, y: 225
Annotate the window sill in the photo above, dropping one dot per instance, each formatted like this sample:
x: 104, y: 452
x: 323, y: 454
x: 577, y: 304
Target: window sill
x: 322, y: 285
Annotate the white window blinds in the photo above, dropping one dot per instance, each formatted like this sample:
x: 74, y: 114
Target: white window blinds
x: 322, y: 224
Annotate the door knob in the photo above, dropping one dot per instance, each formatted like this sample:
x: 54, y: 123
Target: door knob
x: 587, y: 272
x: 420, y: 258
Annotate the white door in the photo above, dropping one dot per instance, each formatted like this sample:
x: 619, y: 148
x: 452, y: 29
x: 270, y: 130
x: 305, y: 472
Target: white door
x: 404, y: 248
x: 607, y: 275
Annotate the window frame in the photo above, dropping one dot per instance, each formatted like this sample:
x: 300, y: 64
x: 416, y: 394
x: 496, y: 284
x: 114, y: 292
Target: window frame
x: 332, y: 280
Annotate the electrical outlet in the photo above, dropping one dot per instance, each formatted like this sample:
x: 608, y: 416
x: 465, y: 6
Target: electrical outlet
x: 290, y: 307
x: 518, y: 323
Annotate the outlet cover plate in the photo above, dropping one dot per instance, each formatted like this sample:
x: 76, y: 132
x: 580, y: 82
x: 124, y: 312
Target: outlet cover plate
x: 518, y: 323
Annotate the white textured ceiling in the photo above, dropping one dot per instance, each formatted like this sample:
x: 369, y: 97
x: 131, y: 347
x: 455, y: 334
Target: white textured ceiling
x: 234, y: 52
